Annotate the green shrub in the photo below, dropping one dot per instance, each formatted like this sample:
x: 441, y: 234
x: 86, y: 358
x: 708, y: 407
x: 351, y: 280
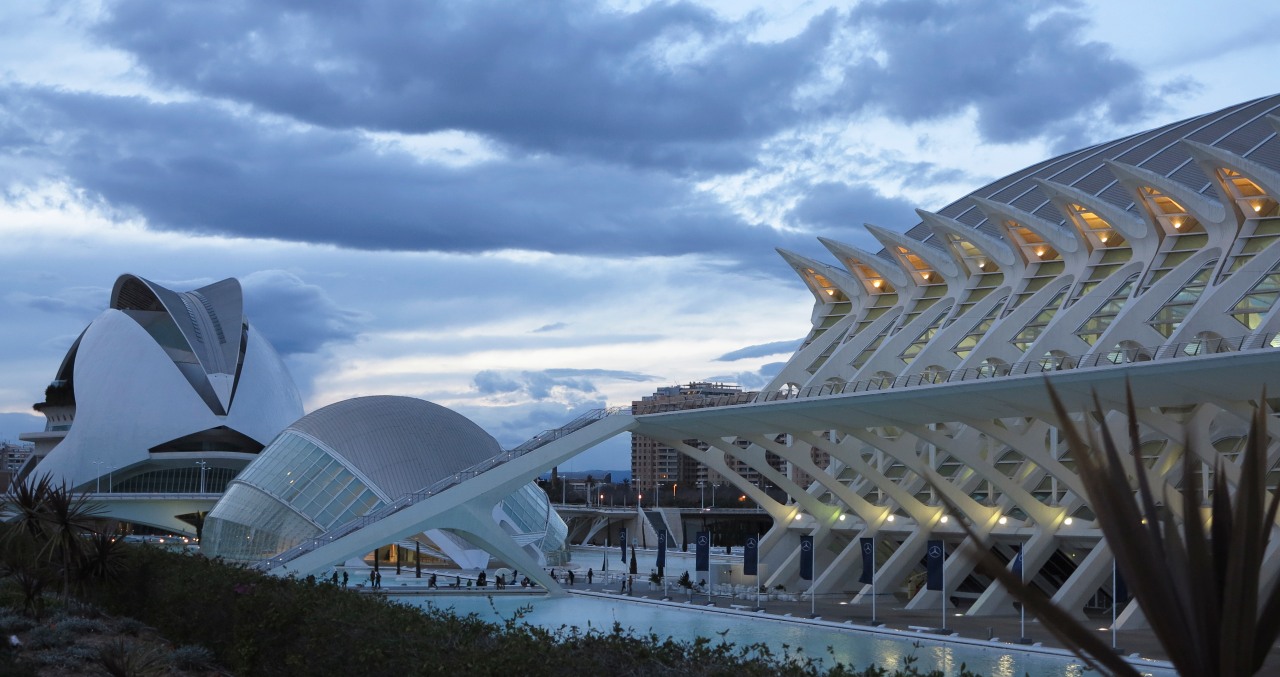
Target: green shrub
x: 130, y: 659
x: 12, y: 622
x: 129, y: 626
x: 81, y: 626
x: 67, y: 658
x: 49, y: 637
x: 192, y: 657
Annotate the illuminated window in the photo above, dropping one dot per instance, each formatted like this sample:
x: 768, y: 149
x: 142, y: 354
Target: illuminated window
x: 1036, y: 326
x: 925, y: 336
x: 970, y: 340
x: 1093, y: 327
x: 1253, y: 201
x: 1172, y: 313
x: 1258, y: 301
x: 1169, y: 212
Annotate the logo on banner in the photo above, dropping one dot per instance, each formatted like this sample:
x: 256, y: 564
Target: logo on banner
x: 866, y: 547
x: 806, y: 546
x: 935, y: 551
x: 702, y: 539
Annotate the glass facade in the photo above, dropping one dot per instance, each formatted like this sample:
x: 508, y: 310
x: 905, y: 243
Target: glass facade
x: 294, y: 491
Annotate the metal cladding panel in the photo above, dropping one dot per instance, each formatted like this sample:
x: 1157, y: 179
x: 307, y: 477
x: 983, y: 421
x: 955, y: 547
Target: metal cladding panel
x: 401, y: 444
x: 1167, y: 160
x: 1248, y: 137
x: 1117, y: 195
x: 1095, y: 181
x: 1049, y: 212
x: 1191, y: 175
x: 1267, y: 154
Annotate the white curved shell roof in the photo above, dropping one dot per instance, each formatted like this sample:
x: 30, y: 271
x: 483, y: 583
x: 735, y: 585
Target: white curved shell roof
x: 401, y: 444
x: 131, y: 395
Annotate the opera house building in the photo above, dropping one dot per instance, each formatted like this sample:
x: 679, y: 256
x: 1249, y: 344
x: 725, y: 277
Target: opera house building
x: 171, y: 403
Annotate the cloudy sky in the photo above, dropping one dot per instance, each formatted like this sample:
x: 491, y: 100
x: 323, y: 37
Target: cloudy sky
x: 526, y: 210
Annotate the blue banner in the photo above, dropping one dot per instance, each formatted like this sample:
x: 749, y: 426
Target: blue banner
x: 622, y: 540
x: 751, y: 557
x: 662, y: 549
x: 868, y: 546
x: 806, y: 558
x: 1017, y: 564
x: 936, y: 556
x: 702, y: 556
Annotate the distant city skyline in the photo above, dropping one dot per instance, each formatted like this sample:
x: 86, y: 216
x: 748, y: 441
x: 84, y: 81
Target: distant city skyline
x: 523, y: 212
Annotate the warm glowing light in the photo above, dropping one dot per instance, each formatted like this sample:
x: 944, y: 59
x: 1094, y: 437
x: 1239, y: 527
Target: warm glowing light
x: 1040, y: 252
x: 831, y: 292
x: 889, y: 518
x: 796, y: 518
x: 1177, y: 223
x: 842, y: 517
x: 1103, y: 238
x: 944, y: 519
x: 924, y: 276
x: 877, y: 283
x: 1257, y: 205
x: 1068, y: 521
x: 1004, y: 520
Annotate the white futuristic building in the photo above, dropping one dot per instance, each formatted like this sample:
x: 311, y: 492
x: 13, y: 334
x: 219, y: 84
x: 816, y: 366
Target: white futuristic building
x: 350, y: 458
x: 1153, y: 258
x: 161, y: 401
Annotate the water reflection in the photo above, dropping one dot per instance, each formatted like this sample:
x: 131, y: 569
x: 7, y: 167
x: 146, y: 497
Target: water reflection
x: 850, y: 647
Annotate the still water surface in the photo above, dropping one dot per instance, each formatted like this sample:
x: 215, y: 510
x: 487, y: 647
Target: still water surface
x: 848, y: 646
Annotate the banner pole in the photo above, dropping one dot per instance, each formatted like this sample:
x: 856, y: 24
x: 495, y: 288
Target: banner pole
x: 1022, y: 578
x: 758, y: 604
x: 873, y: 582
x: 944, y: 584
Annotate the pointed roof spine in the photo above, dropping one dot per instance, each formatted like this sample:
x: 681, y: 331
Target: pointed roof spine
x: 937, y: 258
x: 1130, y: 225
x: 1207, y: 211
x: 1211, y: 159
x: 998, y: 249
x: 847, y: 253
x: 1068, y: 241
x: 841, y: 280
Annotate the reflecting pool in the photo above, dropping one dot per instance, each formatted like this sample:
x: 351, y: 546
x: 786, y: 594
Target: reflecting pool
x: 829, y: 642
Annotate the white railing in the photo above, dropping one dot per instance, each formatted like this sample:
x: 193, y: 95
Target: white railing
x: 1049, y: 363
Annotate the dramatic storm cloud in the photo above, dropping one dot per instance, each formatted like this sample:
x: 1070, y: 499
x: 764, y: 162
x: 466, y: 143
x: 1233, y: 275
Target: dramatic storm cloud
x: 526, y: 211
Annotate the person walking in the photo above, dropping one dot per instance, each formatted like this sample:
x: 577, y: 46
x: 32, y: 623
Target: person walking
x: 377, y: 580
x: 344, y: 578
x: 571, y: 577
x: 431, y: 582
x: 589, y: 572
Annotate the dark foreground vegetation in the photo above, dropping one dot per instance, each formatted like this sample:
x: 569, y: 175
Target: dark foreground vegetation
x: 252, y: 624
x: 75, y: 601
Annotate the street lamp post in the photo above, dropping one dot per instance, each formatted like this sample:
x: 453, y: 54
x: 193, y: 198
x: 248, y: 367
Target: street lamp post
x: 204, y: 465
x: 97, y: 482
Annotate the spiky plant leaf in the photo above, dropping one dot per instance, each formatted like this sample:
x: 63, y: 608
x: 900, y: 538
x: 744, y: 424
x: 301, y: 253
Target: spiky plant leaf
x: 1198, y: 587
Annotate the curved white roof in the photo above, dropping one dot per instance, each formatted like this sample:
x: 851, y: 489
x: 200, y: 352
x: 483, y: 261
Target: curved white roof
x: 137, y: 387
x: 401, y: 444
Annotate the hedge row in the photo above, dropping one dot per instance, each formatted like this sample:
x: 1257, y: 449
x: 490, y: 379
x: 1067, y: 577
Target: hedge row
x: 262, y: 625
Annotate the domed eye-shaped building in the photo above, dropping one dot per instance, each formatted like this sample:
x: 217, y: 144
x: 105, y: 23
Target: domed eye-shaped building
x: 164, y: 393
x: 349, y: 458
